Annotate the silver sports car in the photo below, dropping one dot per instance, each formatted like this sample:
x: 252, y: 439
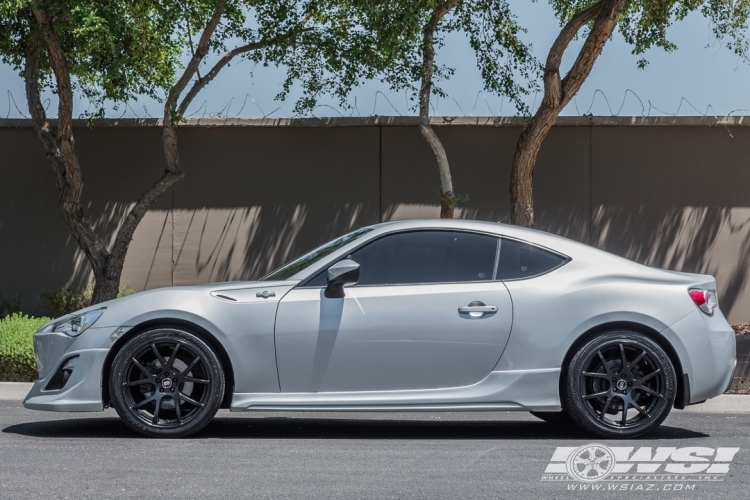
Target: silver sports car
x: 428, y: 315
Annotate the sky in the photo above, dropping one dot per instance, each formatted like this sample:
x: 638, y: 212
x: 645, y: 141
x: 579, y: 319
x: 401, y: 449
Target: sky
x: 701, y: 78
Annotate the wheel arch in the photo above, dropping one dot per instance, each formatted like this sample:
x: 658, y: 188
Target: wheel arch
x: 194, y: 328
x: 682, y: 397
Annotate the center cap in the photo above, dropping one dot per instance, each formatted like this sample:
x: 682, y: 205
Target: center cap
x: 166, y: 383
x: 621, y: 384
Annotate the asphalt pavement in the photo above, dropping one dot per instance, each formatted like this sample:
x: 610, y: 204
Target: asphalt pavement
x: 340, y: 455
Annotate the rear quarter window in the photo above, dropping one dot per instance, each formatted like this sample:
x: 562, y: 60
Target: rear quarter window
x: 520, y: 260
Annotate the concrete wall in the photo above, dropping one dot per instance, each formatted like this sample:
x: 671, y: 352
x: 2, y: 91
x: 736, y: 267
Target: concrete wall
x: 667, y: 192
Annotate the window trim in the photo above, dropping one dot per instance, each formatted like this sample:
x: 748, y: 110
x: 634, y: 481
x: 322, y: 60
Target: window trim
x: 565, y: 259
x: 499, y: 237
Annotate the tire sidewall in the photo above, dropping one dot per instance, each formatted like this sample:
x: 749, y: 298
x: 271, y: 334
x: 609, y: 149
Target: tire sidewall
x: 145, y: 339
x: 575, y: 406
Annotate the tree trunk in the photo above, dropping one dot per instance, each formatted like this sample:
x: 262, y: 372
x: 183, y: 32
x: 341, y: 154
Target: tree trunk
x: 59, y: 148
x: 447, y: 194
x: 557, y: 94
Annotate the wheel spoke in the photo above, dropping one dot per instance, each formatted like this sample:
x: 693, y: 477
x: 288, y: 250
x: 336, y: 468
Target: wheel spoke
x: 649, y: 376
x: 623, y: 359
x: 649, y: 391
x: 177, y: 410
x: 136, y: 382
x: 597, y: 395
x: 156, y: 411
x: 162, y: 362
x: 641, y: 410
x: 173, y: 356
x: 625, y: 404
x: 604, y: 363
x: 196, y: 380
x: 637, y: 360
x: 606, y: 407
x: 143, y: 369
x: 191, y: 401
x: 594, y: 374
x: 191, y: 365
x: 144, y: 402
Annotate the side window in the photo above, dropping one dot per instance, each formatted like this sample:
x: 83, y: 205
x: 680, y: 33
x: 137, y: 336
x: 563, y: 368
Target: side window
x: 520, y: 260
x: 424, y: 257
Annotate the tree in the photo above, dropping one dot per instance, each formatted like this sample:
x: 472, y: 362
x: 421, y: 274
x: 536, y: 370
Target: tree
x: 105, y: 49
x: 730, y: 24
x: 405, y: 35
x: 643, y: 24
x: 118, y: 50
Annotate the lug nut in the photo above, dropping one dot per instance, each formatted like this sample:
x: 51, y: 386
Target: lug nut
x: 161, y: 390
x: 166, y: 374
x: 630, y: 384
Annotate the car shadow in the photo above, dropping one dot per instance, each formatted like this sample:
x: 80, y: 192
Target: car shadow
x: 337, y: 428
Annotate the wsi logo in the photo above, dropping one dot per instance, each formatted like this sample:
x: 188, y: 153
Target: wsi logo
x: 598, y: 462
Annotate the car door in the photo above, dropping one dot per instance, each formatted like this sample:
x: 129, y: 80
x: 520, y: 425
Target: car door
x: 425, y: 314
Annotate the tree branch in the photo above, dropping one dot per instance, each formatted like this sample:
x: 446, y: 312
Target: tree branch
x: 552, y: 83
x: 38, y: 114
x: 205, y: 80
x: 428, y: 58
x: 171, y: 102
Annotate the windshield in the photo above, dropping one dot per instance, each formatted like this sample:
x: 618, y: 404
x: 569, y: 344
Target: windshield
x: 289, y: 270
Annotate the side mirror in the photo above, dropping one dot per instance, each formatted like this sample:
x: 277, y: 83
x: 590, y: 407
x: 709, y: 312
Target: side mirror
x: 342, y: 273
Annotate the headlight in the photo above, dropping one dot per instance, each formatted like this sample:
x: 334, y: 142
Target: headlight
x: 76, y: 325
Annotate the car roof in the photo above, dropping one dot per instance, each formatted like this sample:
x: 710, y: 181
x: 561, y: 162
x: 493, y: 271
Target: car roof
x: 530, y: 235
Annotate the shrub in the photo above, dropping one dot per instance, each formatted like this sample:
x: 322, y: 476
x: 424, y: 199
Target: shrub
x: 71, y: 299
x: 17, y: 362
x: 8, y: 307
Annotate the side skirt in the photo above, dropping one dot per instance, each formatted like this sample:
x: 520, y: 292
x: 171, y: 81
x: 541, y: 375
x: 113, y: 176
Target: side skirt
x: 508, y: 390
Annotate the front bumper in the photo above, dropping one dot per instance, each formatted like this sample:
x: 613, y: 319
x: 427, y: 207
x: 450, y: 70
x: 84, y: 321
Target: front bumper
x: 82, y: 390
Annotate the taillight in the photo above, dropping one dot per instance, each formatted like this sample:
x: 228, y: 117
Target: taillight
x: 706, y: 300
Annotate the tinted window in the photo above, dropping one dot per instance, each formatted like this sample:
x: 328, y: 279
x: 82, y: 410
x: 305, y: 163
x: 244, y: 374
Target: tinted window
x: 521, y: 260
x: 424, y: 257
x: 314, y: 256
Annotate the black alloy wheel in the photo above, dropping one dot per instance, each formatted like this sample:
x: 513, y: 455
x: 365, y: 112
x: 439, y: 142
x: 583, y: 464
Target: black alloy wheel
x: 620, y: 384
x: 166, y: 382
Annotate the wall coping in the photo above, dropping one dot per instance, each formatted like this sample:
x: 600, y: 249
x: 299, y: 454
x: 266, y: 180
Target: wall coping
x: 401, y: 121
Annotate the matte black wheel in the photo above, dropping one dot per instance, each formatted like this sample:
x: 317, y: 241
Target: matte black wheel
x: 620, y: 384
x: 553, y: 417
x: 166, y: 382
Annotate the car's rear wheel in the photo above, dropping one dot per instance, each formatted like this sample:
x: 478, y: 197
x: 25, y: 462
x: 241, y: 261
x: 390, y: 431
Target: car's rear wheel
x: 166, y: 382
x: 553, y: 417
x: 621, y: 384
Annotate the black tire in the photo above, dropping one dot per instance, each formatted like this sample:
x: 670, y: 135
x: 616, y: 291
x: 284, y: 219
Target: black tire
x: 553, y: 417
x: 616, y: 370
x: 176, y: 405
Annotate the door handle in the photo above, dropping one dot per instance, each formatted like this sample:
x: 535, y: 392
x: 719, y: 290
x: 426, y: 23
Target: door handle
x: 477, y: 309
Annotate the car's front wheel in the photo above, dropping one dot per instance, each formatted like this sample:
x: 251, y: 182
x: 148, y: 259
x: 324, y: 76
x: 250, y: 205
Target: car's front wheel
x: 621, y: 384
x: 166, y: 382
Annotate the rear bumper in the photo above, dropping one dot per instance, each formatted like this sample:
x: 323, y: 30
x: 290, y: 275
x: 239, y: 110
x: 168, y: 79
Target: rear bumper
x: 708, y: 356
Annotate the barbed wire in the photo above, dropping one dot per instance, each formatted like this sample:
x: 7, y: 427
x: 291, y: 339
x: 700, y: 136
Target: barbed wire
x: 647, y: 109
